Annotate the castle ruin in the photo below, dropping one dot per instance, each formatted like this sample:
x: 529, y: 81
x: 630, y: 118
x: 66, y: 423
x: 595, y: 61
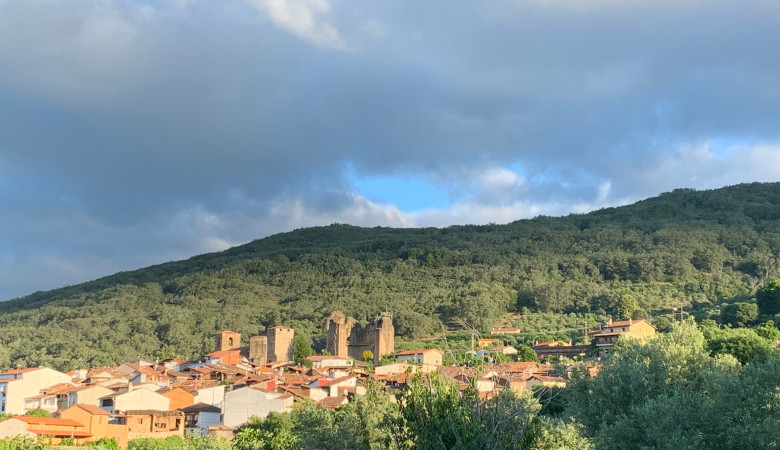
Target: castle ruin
x: 347, y: 337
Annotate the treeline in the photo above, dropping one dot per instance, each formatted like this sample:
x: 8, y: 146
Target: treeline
x: 687, y: 248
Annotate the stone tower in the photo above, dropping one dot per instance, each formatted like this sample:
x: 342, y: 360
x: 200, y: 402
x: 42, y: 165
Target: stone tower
x: 258, y: 349
x: 280, y: 344
x: 338, y: 327
x: 228, y: 340
x: 346, y: 337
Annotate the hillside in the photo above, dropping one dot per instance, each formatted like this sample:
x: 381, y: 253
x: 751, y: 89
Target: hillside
x: 696, y: 248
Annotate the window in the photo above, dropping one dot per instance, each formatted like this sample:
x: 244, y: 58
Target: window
x: 107, y: 402
x: 230, y: 342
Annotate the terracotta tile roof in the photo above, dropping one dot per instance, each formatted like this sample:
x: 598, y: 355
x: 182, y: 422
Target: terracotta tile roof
x: 332, y: 402
x: 153, y: 412
x: 48, y: 421
x: 327, y: 357
x: 514, y: 367
x: 92, y: 409
x: 324, y: 382
x: 59, y: 433
x: 22, y: 371
x: 418, y: 352
x: 221, y: 353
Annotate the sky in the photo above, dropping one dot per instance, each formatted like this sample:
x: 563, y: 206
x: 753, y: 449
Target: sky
x: 135, y: 132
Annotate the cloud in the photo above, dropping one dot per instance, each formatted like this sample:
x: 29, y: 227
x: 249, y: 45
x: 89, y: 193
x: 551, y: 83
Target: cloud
x: 304, y: 18
x: 133, y: 132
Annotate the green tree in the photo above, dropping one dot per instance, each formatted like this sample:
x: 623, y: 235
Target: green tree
x: 768, y: 298
x: 526, y: 353
x: 301, y: 349
x: 739, y: 314
x: 435, y: 414
x: 768, y: 330
x: 38, y: 412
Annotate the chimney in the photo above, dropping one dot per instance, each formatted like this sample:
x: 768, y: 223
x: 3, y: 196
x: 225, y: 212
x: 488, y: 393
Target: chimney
x: 629, y: 321
x: 130, y: 387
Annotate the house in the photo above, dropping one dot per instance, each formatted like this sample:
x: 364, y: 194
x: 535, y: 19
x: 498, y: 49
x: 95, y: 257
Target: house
x: 241, y: 404
x: 487, y: 342
x: 152, y: 423
x: 231, y: 356
x: 524, y: 370
x: 611, y: 331
x: 426, y: 356
x: 504, y: 349
x: 87, y: 395
x: 559, y: 349
x: 137, y: 373
x: 210, y: 395
x: 98, y: 422
x: 505, y: 330
x: 333, y: 385
x: 330, y: 361
x: 179, y: 398
x: 134, y: 399
x: 20, y: 384
x: 200, y: 416
x: 56, y: 429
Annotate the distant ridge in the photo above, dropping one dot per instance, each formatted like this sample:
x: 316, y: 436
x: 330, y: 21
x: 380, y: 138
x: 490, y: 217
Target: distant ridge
x: 702, y: 246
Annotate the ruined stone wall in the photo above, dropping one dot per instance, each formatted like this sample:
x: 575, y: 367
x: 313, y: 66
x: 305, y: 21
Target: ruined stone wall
x: 347, y: 337
x: 258, y: 349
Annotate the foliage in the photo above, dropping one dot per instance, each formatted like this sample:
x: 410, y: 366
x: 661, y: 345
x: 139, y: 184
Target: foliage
x: 555, y: 434
x: 105, y: 444
x: 744, y: 344
x: 672, y: 394
x: 739, y: 314
x: 38, y: 412
x: 768, y: 298
x: 697, y: 249
x: 23, y: 443
x: 436, y: 415
x: 361, y: 424
x: 190, y: 441
x: 526, y: 353
x: 301, y: 349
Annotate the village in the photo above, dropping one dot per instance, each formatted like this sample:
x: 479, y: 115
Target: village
x: 227, y: 387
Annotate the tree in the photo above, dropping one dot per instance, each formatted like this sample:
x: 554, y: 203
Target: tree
x: 301, y: 349
x: 526, y: 353
x: 38, y: 412
x: 435, y: 414
x: 768, y: 330
x: 768, y: 298
x: 739, y: 314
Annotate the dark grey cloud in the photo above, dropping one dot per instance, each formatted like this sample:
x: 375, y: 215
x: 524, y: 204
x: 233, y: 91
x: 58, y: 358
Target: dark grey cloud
x: 133, y: 132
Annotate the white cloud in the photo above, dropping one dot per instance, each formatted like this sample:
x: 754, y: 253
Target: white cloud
x: 303, y: 18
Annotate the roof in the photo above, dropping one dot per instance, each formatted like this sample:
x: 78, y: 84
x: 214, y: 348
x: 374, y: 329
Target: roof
x: 92, y: 409
x: 221, y: 353
x: 418, y: 352
x: 59, y: 433
x: 327, y: 357
x: 30, y: 420
x: 19, y: 371
x: 323, y: 382
x: 199, y: 408
x: 332, y: 402
x: 515, y: 367
x: 152, y: 412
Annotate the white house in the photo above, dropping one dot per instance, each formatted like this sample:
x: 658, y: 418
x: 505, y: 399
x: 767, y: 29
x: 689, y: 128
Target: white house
x: 17, y: 385
x: 241, y: 404
x: 426, y: 356
x: 200, y: 416
x: 329, y: 361
x: 212, y: 395
x: 134, y: 399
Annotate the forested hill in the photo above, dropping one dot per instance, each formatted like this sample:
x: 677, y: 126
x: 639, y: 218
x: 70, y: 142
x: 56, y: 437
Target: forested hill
x: 698, y: 248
